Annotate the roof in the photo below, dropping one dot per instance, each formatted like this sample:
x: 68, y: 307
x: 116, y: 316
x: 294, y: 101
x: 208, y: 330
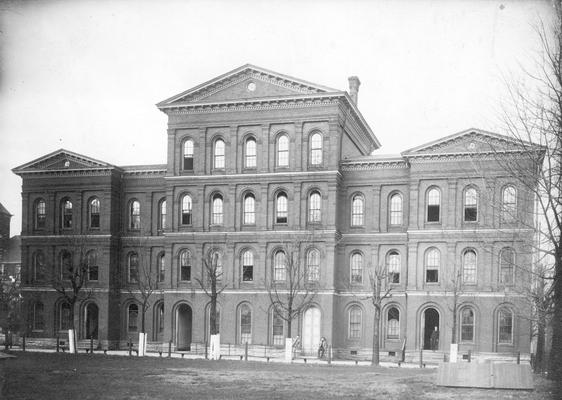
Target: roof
x: 3, y: 210
x: 13, y: 253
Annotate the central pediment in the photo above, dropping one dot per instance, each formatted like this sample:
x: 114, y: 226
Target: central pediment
x: 245, y: 83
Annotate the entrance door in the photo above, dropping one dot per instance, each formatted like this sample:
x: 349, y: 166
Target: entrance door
x: 90, y: 322
x: 183, y: 327
x: 431, y: 329
x: 311, y: 330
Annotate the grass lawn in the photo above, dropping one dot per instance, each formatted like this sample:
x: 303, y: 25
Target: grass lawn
x: 63, y: 376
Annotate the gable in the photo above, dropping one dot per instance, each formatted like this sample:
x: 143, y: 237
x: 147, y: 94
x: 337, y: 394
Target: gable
x: 469, y: 141
x: 246, y: 82
x: 60, y: 160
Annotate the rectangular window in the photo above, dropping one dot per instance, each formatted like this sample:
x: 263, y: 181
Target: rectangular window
x: 248, y: 273
x: 185, y: 273
x: 93, y: 273
x: 278, y: 336
x: 505, y: 327
x: 432, y: 275
x: 433, y: 213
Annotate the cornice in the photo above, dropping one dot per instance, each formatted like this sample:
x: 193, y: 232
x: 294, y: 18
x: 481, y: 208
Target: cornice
x: 143, y: 173
x: 69, y: 172
x: 373, y: 164
x: 245, y: 176
x: 445, y: 157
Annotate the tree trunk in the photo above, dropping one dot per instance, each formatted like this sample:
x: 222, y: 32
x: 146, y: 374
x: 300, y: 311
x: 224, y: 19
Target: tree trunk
x: 454, y: 329
x: 213, y: 316
x: 541, y: 332
x: 555, y: 364
x: 376, y: 347
x: 289, y: 321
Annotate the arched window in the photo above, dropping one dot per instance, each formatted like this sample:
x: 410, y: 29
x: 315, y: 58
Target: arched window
x: 357, y: 210
x: 186, y: 210
x: 393, y: 323
x: 356, y: 268
x: 467, y: 325
x: 505, y: 326
x: 509, y: 203
x: 132, y: 318
x: 355, y: 319
x: 37, y: 316
x: 161, y: 267
x: 433, y: 205
x: 507, y: 262
x: 134, y: 215
x: 185, y: 265
x: 469, y: 266
x: 219, y: 154
x: 162, y: 215
x: 393, y: 266
x: 313, y: 265
x: 245, y: 324
x: 314, y: 207
x: 38, y: 266
x: 217, y: 211
x: 249, y: 209
x: 316, y: 149
x: 64, y: 316
x: 279, y: 266
x: 281, y: 208
x: 247, y: 266
x: 283, y: 151
x: 92, y: 265
x: 396, y: 209
x: 432, y: 264
x: 277, y: 328
x: 470, y: 205
x: 66, y: 269
x: 94, y: 213
x: 188, y: 155
x: 132, y: 267
x: 250, y: 156
x: 66, y: 212
x: 40, y: 214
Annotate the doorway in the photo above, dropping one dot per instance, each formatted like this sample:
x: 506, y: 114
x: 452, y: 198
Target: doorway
x: 311, y: 330
x: 90, y: 330
x: 430, y: 323
x: 183, y: 327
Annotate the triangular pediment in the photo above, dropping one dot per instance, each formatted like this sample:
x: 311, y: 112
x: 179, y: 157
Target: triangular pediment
x: 469, y: 141
x: 244, y: 83
x: 62, y: 160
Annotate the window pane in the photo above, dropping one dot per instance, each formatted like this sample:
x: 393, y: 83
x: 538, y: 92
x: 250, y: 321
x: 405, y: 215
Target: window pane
x: 507, y: 261
x: 433, y: 261
x: 133, y: 268
x: 396, y: 210
x: 161, y: 268
x: 356, y: 268
x: 67, y: 214
x: 185, y: 266
x: 219, y: 154
x: 393, y: 265
x: 509, y: 203
x: 314, y: 214
x: 162, y: 219
x: 316, y: 149
x: 248, y: 266
x: 313, y: 265
x: 393, y: 323
x: 135, y: 215
x: 282, y: 208
x: 279, y: 266
x: 250, y: 160
x: 188, y: 155
x: 245, y: 325
x: 467, y: 325
x: 249, y: 210
x: 40, y: 214
x: 186, y: 210
x: 357, y: 210
x: 217, y: 214
x: 469, y: 267
x: 277, y: 328
x: 505, y: 326
x: 433, y: 205
x: 133, y: 315
x: 355, y: 323
x: 283, y: 151
x: 471, y: 205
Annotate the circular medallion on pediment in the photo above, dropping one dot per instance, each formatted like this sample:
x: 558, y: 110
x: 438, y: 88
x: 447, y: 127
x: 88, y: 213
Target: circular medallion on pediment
x: 471, y: 146
x: 251, y: 86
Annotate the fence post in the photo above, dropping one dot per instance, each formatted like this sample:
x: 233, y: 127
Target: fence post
x: 518, y: 357
x: 229, y: 349
x: 421, y: 357
x: 469, y: 355
x: 169, y: 349
x: 57, y: 343
x: 246, y: 352
x: 91, y: 344
x: 206, y: 352
x: 130, y: 344
x: 330, y: 354
x: 23, y: 342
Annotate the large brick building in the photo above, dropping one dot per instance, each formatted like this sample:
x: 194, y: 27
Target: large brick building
x: 256, y: 159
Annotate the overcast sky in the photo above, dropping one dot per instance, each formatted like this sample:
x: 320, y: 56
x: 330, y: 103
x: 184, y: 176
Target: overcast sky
x: 85, y: 75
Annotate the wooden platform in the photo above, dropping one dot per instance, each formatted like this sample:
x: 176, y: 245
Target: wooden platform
x: 487, y: 375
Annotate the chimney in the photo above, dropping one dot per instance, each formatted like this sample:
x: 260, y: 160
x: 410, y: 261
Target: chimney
x: 354, y: 83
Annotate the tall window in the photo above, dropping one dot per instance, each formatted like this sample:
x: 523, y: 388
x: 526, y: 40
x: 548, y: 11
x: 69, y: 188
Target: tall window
x: 64, y: 316
x: 132, y: 268
x: 39, y: 266
x: 133, y: 318
x: 433, y: 205
x: 186, y: 210
x: 355, y: 316
x: 432, y: 264
x: 281, y: 208
x: 314, y: 207
x: 357, y: 210
x: 161, y: 267
x: 249, y: 209
x: 471, y: 205
x: 245, y: 324
x: 393, y: 266
x: 217, y: 211
x: 66, y: 213
x: 219, y: 154
x: 188, y: 155
x: 316, y: 149
x: 40, y: 214
x: 92, y: 265
x: 507, y: 261
x: 396, y: 209
x: 66, y: 268
x: 185, y: 265
x: 279, y: 263
x: 247, y: 266
x: 313, y: 265
x: 162, y: 215
x: 393, y: 323
x: 283, y: 151
x: 469, y: 266
x: 250, y: 155
x: 94, y: 213
x: 159, y: 318
x: 277, y: 328
x: 505, y: 326
x: 356, y: 268
x: 509, y: 203
x: 134, y: 215
x: 467, y: 325
x: 37, y: 316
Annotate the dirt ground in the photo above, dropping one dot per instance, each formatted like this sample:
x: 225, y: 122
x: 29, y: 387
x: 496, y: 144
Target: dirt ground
x: 63, y: 376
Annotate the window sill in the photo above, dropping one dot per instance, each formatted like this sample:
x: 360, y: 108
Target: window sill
x: 249, y: 170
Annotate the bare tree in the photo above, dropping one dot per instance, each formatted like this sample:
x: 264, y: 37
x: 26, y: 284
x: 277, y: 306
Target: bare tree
x: 11, y: 304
